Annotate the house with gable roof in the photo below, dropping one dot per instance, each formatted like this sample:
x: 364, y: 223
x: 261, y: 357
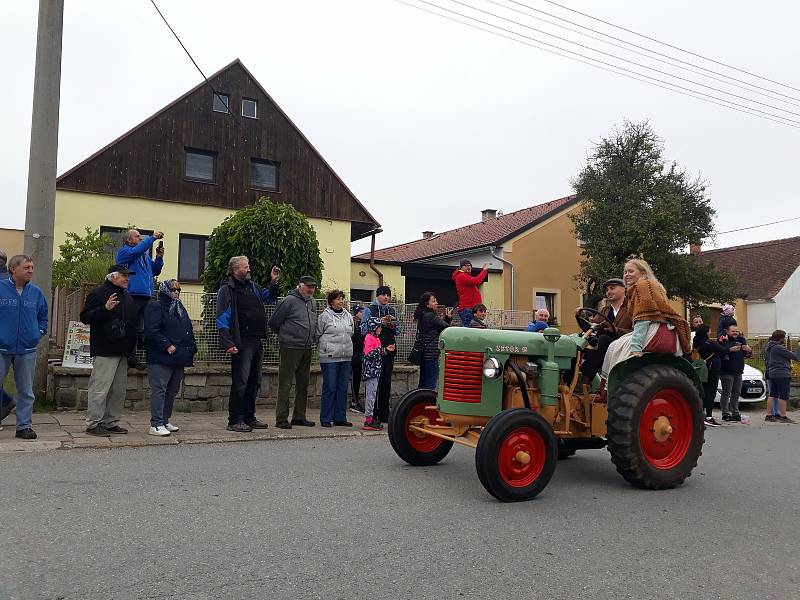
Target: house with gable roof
x: 219, y: 147
x: 532, y: 253
x: 769, y: 280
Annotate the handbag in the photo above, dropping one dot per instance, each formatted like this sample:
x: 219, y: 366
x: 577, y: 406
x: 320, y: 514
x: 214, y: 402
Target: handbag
x: 415, y: 356
x: 664, y: 341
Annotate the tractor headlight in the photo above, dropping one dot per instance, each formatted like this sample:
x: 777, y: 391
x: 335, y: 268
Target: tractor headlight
x: 491, y: 368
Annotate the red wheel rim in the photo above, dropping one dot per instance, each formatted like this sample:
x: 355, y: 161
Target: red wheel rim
x: 666, y: 429
x: 530, y: 443
x: 420, y: 441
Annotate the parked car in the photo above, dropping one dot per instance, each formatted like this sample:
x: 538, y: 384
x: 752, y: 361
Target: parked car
x: 754, y: 386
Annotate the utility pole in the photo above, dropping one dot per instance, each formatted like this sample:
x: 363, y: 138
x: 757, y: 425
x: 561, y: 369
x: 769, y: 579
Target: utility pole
x: 41, y: 210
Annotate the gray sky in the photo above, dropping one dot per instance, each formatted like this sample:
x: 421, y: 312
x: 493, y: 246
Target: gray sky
x: 426, y: 120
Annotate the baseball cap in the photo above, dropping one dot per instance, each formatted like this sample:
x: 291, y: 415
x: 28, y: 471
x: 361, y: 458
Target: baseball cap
x: 120, y: 269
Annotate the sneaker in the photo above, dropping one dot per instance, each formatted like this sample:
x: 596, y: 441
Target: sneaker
x: 30, y: 434
x: 343, y: 423
x: 736, y: 417
x: 726, y: 417
x: 170, y: 427
x: 711, y: 422
x: 97, y: 430
x: 357, y: 408
x: 161, y: 430
x: 283, y: 425
x: 116, y: 429
x: 771, y: 418
x: 302, y: 422
x: 778, y: 419
x: 256, y: 424
x: 373, y: 425
x: 6, y: 409
x: 239, y: 428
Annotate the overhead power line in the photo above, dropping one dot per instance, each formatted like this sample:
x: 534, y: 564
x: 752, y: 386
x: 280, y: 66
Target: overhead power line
x: 652, y: 39
x: 757, y: 226
x: 619, y: 70
x: 622, y: 58
x: 774, y: 94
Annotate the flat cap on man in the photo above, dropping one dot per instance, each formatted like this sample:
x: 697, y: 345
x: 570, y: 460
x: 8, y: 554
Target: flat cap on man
x: 613, y: 281
x: 308, y: 280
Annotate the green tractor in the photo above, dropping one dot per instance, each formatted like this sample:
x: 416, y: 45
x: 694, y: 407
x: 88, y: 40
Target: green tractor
x: 512, y: 397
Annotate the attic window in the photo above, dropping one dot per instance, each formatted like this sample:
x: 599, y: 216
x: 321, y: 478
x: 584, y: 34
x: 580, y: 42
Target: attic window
x: 221, y: 102
x: 249, y: 108
x: 200, y: 165
x: 264, y: 174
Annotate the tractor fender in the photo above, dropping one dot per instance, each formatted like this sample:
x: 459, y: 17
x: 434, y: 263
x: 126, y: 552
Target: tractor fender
x: 622, y: 370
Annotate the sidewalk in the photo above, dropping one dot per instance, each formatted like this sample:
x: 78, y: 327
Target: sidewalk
x: 63, y: 430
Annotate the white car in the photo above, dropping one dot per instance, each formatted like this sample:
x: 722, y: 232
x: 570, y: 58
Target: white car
x: 754, y: 386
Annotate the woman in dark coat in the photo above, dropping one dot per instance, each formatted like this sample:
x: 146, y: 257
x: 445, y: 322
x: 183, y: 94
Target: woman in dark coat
x: 430, y: 325
x: 170, y: 346
x: 712, y: 352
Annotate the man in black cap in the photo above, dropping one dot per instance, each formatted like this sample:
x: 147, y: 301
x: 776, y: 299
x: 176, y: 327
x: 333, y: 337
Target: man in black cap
x: 242, y: 324
x: 616, y: 313
x: 390, y: 329
x: 295, y: 321
x: 112, y: 318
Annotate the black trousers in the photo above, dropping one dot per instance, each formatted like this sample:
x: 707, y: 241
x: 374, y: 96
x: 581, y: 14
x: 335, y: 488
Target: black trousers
x: 593, y: 359
x: 140, y: 303
x: 710, y: 392
x: 358, y: 366
x: 245, y: 381
x: 382, y: 404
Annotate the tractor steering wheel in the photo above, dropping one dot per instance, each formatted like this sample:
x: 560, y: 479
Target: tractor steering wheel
x: 592, y: 325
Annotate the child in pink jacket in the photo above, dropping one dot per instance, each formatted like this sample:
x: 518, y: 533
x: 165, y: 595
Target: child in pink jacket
x: 373, y: 355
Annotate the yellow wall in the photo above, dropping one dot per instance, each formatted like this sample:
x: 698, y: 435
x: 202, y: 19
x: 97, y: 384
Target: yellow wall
x: 369, y: 280
x: 12, y: 241
x: 75, y: 211
x: 492, y: 291
x: 546, y: 258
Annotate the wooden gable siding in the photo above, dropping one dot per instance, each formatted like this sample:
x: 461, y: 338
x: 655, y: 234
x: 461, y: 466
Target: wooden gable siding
x: 148, y: 162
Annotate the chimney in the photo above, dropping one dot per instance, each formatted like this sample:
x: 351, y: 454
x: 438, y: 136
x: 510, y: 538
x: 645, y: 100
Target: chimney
x: 426, y: 235
x: 695, y: 249
x: 488, y: 213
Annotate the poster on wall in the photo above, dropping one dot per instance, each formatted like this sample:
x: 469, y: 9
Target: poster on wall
x: 76, y: 349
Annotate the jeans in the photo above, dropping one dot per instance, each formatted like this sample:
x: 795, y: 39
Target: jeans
x: 106, y: 394
x: 335, y: 380
x: 429, y: 374
x: 382, y: 403
x: 731, y: 388
x: 370, y: 393
x: 165, y: 381
x: 24, y: 365
x: 295, y: 363
x: 245, y: 381
x: 465, y: 314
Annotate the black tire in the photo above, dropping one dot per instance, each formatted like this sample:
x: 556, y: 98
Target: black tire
x: 418, y: 451
x: 502, y: 475
x: 642, y: 455
x: 565, y: 449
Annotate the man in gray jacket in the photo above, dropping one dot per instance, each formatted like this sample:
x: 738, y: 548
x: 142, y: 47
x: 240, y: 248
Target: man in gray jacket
x: 295, y: 322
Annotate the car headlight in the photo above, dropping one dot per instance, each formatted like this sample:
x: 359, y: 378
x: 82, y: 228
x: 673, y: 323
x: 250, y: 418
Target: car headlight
x: 491, y: 368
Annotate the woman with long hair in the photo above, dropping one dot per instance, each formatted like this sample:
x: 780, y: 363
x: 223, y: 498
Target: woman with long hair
x: 711, y: 351
x: 430, y: 325
x: 656, y: 325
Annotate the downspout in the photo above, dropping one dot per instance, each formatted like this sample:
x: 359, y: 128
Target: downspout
x: 493, y: 252
x: 372, y: 266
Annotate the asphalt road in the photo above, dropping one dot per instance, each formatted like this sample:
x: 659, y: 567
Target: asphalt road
x: 346, y: 519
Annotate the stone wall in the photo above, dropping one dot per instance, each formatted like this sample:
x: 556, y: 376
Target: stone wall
x: 205, y: 388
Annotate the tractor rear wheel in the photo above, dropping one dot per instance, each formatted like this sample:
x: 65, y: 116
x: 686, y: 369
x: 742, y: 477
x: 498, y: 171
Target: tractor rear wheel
x: 414, y: 447
x: 655, y: 427
x: 516, y: 455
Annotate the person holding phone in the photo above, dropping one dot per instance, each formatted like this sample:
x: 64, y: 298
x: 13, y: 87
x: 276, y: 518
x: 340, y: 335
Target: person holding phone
x: 135, y: 256
x: 390, y: 328
x: 731, y: 371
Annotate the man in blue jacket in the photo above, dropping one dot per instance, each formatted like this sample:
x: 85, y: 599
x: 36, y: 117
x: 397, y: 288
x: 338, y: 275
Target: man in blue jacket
x: 23, y: 322
x: 135, y: 255
x: 7, y: 403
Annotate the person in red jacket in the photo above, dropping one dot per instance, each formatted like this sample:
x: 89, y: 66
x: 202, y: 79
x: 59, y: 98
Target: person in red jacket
x: 467, y: 289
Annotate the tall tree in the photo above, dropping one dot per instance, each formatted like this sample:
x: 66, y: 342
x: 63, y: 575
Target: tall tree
x: 268, y: 233
x: 636, y: 204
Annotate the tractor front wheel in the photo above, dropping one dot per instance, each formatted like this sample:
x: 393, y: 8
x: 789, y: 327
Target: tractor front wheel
x: 516, y: 455
x: 655, y: 427
x: 415, y: 447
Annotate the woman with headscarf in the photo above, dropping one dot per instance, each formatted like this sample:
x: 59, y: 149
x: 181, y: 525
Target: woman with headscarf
x: 170, y: 346
x: 656, y: 325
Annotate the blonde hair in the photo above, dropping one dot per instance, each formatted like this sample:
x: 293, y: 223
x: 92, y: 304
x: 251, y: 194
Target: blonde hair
x: 643, y: 267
